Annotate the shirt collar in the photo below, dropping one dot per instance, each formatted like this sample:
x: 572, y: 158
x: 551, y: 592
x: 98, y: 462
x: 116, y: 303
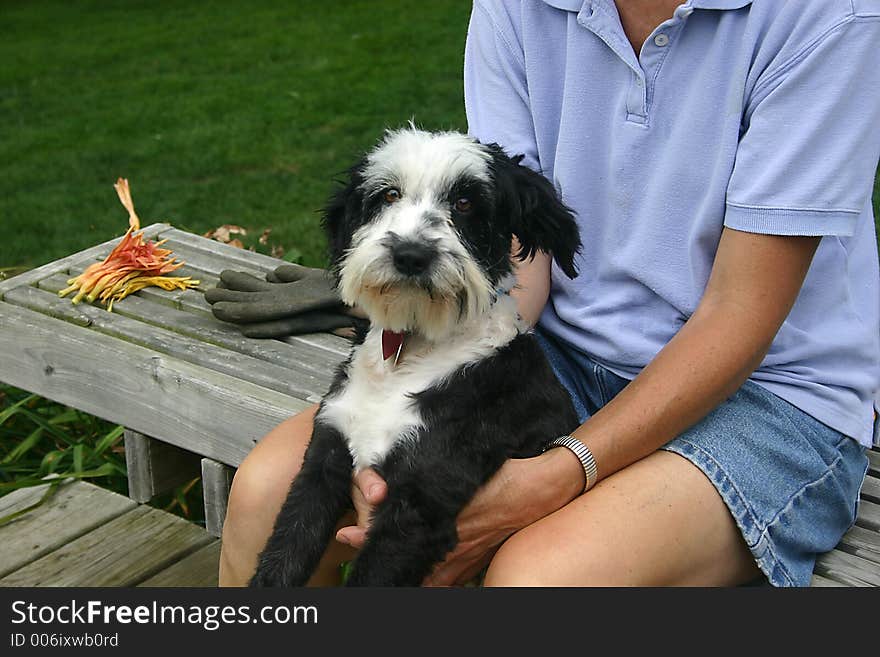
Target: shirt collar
x: 577, y: 5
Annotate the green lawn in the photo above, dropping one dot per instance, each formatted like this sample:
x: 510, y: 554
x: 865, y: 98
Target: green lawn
x: 216, y: 112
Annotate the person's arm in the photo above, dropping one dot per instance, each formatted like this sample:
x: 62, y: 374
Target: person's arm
x: 532, y: 287
x: 754, y: 283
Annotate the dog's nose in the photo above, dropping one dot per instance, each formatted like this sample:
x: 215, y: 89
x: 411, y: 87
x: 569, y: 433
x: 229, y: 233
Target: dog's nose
x: 411, y: 258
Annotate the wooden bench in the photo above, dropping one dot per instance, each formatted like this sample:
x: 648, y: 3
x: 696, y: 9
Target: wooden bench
x: 85, y: 535
x: 195, y: 395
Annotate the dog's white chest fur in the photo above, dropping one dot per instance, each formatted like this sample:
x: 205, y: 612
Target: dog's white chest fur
x: 375, y: 409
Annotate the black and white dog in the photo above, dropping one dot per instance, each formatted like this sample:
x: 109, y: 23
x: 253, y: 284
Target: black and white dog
x: 448, y: 382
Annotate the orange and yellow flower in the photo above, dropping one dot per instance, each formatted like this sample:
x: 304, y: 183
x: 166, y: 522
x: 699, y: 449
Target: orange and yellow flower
x: 131, y: 266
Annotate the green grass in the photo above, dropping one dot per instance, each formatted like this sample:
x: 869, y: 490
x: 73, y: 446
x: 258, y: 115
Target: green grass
x: 216, y: 112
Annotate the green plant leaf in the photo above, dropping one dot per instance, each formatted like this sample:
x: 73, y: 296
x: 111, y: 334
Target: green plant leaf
x: 16, y: 407
x: 78, y: 451
x: 51, y: 461
x: 108, y: 440
x: 65, y: 417
x: 104, y: 470
x: 24, y: 446
x: 50, y: 491
x: 55, y: 431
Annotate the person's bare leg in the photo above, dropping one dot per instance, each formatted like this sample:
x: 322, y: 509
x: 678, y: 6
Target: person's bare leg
x: 258, y: 491
x: 658, y: 522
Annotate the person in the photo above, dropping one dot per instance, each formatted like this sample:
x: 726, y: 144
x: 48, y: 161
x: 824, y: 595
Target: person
x: 722, y: 341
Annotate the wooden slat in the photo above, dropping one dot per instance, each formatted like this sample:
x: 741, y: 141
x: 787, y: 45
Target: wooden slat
x: 73, y: 510
x: 213, y: 264
x: 216, y: 481
x: 303, y: 382
x: 871, y: 489
x: 190, y: 300
x: 197, y: 569
x: 33, y: 275
x: 339, y: 347
x: 863, y: 543
x: 154, y: 467
x: 819, y: 581
x: 874, y: 462
x: 848, y: 569
x: 123, y: 552
x: 869, y: 515
x: 207, y: 412
x: 212, y: 251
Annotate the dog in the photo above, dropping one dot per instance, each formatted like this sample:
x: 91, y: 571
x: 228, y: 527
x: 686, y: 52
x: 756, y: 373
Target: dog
x: 448, y: 382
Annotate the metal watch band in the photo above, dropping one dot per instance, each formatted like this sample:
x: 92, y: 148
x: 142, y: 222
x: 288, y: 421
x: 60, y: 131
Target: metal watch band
x: 584, y: 455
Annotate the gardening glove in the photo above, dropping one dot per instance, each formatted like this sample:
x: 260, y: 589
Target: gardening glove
x: 292, y: 300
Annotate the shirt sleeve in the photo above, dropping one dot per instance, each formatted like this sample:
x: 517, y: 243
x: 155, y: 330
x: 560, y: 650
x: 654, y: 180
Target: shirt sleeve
x: 496, y: 93
x: 808, y: 153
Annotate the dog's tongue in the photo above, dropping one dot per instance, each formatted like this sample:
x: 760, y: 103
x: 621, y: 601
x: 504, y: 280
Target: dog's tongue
x: 391, y: 341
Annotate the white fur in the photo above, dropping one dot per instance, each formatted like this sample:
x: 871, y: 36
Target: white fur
x: 419, y: 160
x: 374, y: 410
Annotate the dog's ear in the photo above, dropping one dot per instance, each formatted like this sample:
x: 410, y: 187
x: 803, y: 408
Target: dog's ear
x: 343, y: 214
x: 537, y: 216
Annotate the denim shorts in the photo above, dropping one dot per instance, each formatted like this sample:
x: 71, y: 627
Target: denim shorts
x: 790, y: 482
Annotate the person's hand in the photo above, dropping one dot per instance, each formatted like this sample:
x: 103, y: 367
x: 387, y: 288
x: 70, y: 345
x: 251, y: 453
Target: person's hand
x: 292, y: 300
x: 368, y: 489
x: 520, y: 493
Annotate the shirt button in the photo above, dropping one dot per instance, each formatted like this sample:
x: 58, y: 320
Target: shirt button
x: 661, y: 40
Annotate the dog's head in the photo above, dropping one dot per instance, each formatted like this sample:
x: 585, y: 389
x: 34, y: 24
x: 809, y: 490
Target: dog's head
x: 420, y: 236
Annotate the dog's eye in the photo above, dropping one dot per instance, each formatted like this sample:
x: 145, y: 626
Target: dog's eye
x: 392, y: 195
x: 463, y: 205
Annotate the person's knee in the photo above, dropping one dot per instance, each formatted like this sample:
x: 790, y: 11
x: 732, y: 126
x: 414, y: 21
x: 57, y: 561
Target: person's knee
x: 257, y: 484
x: 531, y: 559
x: 516, y: 564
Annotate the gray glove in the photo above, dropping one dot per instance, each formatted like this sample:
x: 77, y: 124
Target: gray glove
x: 292, y: 300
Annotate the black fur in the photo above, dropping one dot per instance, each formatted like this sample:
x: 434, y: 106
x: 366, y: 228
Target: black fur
x: 343, y: 213
x: 508, y: 405
x: 534, y: 211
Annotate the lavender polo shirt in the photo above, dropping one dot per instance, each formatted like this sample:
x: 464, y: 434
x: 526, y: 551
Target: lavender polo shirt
x: 762, y: 115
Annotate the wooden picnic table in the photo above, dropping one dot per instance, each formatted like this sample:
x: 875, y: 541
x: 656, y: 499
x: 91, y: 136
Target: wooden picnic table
x: 195, y: 395
x: 189, y: 389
